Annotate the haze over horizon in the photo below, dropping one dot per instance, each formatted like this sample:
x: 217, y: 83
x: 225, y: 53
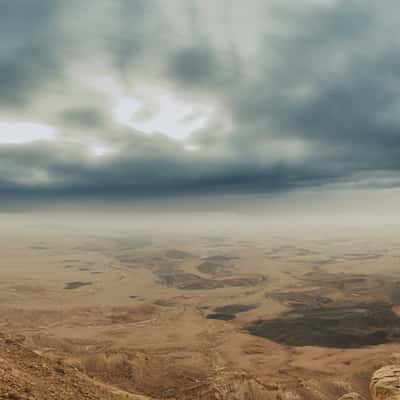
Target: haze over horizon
x: 284, y: 107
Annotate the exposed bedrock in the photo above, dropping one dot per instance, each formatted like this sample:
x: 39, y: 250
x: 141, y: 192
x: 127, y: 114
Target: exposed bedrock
x: 385, y: 383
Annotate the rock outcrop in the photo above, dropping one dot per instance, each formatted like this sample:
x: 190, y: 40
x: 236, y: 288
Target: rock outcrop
x: 385, y: 383
x: 351, y: 396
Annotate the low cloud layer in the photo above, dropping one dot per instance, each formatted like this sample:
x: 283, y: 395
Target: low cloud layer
x: 155, y: 98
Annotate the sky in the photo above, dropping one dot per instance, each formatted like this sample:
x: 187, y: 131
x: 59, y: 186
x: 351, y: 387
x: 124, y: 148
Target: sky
x: 127, y: 100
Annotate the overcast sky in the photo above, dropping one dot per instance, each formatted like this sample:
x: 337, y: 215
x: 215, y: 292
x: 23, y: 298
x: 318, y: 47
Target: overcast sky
x: 127, y: 99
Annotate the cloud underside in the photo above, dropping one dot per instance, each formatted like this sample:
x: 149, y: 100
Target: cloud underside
x: 303, y: 95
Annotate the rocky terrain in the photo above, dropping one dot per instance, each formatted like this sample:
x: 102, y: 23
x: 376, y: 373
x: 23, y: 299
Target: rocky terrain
x: 26, y: 375
x: 385, y: 383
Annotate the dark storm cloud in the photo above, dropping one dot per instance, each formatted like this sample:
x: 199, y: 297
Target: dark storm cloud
x: 332, y: 82
x: 28, y: 49
x: 312, y: 93
x: 193, y: 66
x: 150, y: 172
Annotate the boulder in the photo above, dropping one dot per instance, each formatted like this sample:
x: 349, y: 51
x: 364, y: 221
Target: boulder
x: 385, y: 383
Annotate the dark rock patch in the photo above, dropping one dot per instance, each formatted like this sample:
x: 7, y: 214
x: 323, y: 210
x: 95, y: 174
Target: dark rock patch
x: 211, y: 268
x: 302, y: 300
x: 76, y: 285
x: 243, y: 281
x: 221, y: 316
x: 340, y: 326
x: 177, y: 254
x: 220, y: 258
x: 187, y: 281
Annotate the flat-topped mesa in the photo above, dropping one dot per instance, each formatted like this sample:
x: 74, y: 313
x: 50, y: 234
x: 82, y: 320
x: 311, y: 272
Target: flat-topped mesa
x: 385, y: 383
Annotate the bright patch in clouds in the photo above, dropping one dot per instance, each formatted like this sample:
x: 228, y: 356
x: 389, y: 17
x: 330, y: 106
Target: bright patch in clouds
x: 100, y: 150
x: 153, y: 110
x: 161, y: 112
x: 125, y: 108
x: 24, y: 132
x: 191, y: 147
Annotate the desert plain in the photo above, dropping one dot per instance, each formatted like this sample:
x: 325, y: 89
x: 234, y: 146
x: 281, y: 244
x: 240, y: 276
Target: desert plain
x: 205, y: 310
